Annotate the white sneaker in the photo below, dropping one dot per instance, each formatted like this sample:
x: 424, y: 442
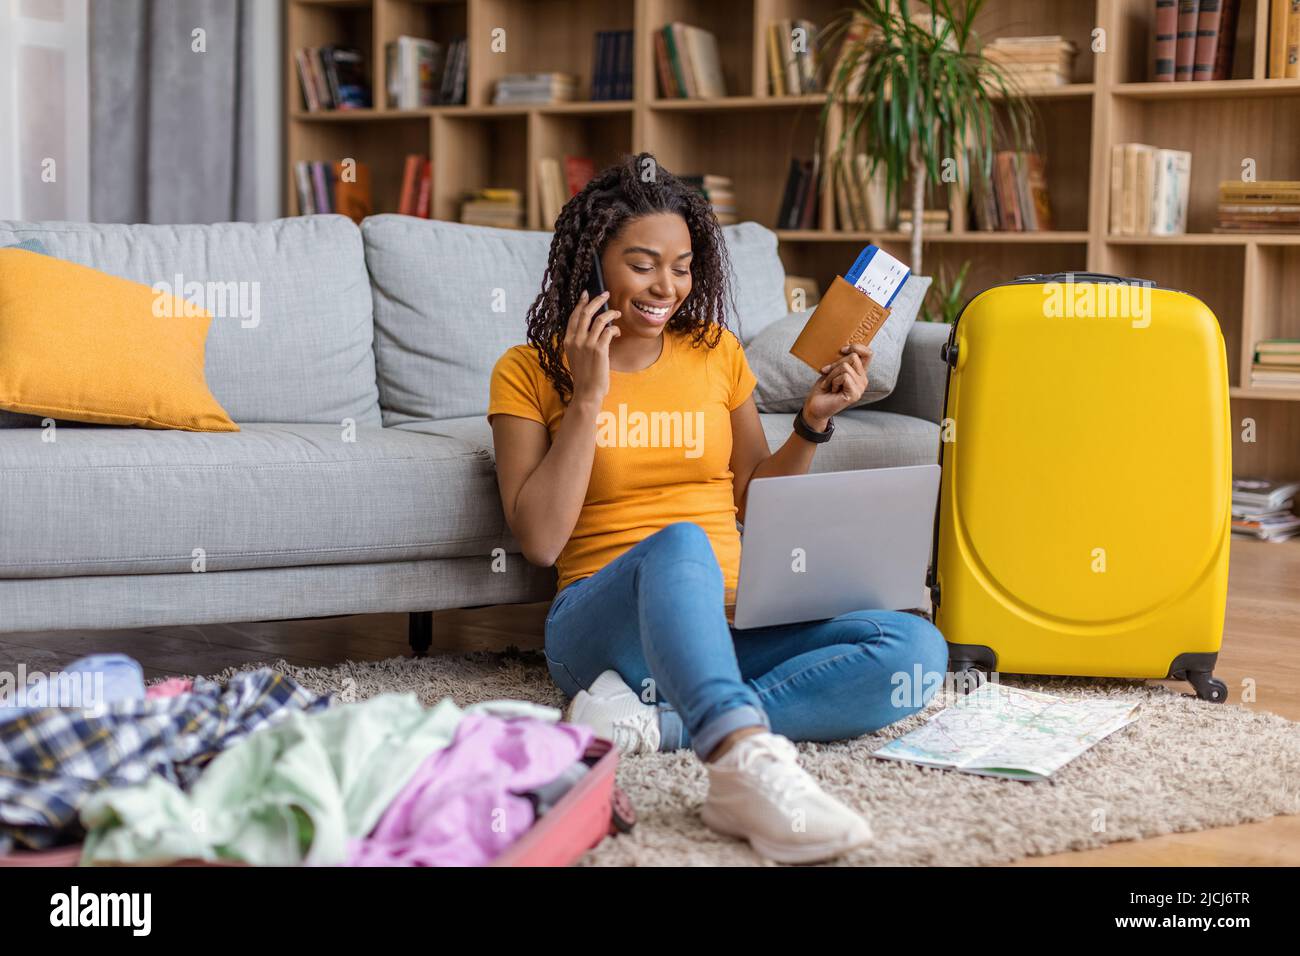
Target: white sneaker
x: 616, y: 713
x: 758, y: 791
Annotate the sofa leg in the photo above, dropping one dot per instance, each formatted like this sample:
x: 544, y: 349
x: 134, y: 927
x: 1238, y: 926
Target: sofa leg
x: 420, y: 632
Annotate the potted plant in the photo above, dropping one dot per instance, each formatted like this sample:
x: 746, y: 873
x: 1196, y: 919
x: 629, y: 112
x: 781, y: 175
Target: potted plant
x: 915, y: 81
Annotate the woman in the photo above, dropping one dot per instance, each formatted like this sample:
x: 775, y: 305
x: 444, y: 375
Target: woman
x: 625, y: 441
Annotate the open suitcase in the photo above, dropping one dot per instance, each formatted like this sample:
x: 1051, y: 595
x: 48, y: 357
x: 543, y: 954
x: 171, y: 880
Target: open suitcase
x: 592, y: 809
x: 1085, y: 506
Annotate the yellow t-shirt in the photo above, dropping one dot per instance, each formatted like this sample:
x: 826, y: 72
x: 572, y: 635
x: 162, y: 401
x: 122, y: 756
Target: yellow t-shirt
x: 663, y: 448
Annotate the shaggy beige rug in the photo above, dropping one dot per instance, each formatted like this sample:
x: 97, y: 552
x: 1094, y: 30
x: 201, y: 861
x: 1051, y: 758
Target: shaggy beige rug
x: 1184, y: 765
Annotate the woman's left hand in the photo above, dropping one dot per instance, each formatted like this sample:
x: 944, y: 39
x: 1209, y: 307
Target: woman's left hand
x: 840, y: 385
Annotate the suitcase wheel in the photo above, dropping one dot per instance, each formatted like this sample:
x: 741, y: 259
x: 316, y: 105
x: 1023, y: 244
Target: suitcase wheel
x: 967, y: 676
x: 623, y: 814
x: 1208, y: 687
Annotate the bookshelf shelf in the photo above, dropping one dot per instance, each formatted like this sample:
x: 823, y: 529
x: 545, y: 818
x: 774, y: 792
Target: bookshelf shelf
x: 752, y: 135
x: 1266, y: 394
x: 1204, y: 239
x: 701, y: 105
x: 973, y: 236
x: 1069, y: 91
x: 1207, y: 89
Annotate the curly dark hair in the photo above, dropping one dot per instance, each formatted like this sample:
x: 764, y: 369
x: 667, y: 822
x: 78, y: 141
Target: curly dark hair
x: 634, y: 187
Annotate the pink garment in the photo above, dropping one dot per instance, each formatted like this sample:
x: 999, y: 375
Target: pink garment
x: 171, y: 687
x: 462, y: 807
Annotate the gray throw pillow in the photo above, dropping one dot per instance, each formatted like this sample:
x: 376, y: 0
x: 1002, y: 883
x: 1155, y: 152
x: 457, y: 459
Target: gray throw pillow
x: 784, y: 381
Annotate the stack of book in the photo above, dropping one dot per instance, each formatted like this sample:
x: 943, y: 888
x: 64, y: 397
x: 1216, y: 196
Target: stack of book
x: 1194, y: 40
x: 515, y: 88
x: 611, y: 71
x: 1262, y: 509
x: 1276, y: 364
x: 799, y: 200
x: 332, y: 78
x: 933, y: 220
x: 1016, y: 199
x: 555, y: 188
x: 1259, y: 207
x: 492, y: 207
x: 333, y: 187
x: 1033, y: 63
x: 792, y: 57
x: 720, y: 193
x: 417, y: 187
x: 424, y: 73
x: 687, y: 62
x: 1149, y: 190
x: 860, y: 200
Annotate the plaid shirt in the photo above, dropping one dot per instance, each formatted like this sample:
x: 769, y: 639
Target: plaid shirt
x: 52, y: 759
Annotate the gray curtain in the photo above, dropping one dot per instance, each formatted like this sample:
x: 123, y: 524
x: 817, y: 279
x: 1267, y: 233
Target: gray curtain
x: 171, y: 129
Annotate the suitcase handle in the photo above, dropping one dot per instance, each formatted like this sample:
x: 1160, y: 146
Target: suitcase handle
x: 1076, y: 277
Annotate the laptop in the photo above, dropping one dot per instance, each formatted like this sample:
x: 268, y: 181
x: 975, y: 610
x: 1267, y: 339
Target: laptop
x: 817, y: 546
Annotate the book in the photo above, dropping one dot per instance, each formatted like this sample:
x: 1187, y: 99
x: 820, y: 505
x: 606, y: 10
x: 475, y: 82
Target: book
x: 515, y: 88
x: 1293, y: 41
x: 302, y: 180
x: 1185, y: 45
x: 550, y: 190
x: 414, y: 72
x: 410, y: 184
x: 1009, y: 732
x: 345, y: 73
x: 1278, y: 13
x: 663, y: 67
x: 1166, y: 38
x: 682, y: 59
x: 1171, y: 192
x: 578, y: 171
x: 424, y: 192
x: 1208, y: 19
x: 705, y: 63
x: 1262, y: 494
x: 1226, y: 50
x: 352, y: 196
x: 306, y: 82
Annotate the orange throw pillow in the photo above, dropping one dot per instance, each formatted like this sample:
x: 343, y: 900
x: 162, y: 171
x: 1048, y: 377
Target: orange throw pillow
x: 80, y: 344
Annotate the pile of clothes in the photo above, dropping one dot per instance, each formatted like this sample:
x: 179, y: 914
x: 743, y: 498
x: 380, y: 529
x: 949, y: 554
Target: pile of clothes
x: 264, y: 772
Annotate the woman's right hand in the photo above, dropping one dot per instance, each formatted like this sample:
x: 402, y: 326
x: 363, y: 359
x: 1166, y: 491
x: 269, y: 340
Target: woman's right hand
x: 586, y: 345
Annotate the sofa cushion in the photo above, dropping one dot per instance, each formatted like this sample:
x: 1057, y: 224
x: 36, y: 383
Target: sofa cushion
x: 784, y: 381
x: 292, y: 335
x: 451, y: 298
x: 864, y: 438
x: 126, y: 501
x: 79, y: 343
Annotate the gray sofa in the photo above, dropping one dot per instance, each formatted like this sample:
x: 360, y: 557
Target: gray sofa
x: 356, y: 362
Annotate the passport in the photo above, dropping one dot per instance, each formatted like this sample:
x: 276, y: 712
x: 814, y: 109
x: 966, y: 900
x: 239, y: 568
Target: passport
x: 853, y: 309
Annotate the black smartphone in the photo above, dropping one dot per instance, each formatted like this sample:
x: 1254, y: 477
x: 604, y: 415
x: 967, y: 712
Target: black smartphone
x: 596, y: 284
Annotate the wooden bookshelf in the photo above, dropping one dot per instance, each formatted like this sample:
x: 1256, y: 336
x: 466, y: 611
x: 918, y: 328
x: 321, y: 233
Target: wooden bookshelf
x: 1250, y: 281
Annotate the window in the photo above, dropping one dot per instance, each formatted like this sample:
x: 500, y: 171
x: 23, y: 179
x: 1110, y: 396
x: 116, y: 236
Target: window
x: 44, y: 110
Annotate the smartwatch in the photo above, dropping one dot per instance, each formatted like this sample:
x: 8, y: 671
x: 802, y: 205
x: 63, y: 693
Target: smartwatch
x: 802, y: 429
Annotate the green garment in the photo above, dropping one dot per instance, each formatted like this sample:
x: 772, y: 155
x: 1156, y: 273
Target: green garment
x: 292, y: 793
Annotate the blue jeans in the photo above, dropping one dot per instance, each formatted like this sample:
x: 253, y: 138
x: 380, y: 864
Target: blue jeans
x: 656, y: 615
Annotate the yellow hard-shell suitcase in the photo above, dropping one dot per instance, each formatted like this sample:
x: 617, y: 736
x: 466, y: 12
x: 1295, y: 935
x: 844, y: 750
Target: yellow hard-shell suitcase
x: 1084, y: 509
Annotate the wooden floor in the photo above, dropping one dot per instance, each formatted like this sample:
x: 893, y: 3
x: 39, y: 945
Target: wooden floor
x: 1261, y: 642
